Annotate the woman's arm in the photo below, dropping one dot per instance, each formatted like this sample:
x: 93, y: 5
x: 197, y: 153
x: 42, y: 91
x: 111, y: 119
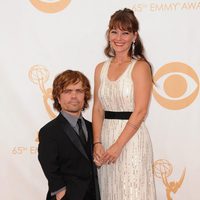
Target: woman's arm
x: 97, y: 118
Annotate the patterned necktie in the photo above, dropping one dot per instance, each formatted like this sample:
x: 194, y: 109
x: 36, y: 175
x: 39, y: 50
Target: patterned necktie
x: 80, y: 131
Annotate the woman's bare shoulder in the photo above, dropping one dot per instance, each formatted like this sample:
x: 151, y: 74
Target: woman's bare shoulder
x: 99, y: 67
x: 142, y: 64
x: 142, y: 70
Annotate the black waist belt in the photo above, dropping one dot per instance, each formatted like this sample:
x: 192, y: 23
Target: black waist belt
x: 117, y: 115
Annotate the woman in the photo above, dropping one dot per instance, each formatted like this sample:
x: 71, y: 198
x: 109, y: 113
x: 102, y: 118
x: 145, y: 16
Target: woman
x: 123, y: 84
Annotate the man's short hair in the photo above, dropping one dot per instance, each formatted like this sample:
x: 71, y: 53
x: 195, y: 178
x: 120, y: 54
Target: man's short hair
x: 66, y: 78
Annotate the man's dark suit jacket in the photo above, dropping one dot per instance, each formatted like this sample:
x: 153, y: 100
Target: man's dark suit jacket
x: 64, y: 160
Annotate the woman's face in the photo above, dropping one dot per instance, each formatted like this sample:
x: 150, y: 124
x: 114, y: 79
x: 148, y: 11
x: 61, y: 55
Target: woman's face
x: 121, y: 40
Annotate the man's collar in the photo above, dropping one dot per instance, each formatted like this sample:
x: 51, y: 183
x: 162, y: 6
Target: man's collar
x: 71, y: 118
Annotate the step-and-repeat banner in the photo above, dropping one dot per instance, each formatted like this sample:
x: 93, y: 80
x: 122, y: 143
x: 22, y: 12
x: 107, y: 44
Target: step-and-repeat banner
x: 41, y: 38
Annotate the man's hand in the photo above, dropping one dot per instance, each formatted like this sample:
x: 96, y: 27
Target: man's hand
x: 60, y: 194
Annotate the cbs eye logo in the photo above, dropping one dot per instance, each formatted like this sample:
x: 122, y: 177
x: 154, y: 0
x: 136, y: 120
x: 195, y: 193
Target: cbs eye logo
x: 176, y: 85
x: 49, y: 6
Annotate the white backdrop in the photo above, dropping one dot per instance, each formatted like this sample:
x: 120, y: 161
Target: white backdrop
x: 41, y: 38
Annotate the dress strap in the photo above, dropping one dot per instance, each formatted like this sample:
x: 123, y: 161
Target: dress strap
x: 131, y: 66
x: 104, y: 69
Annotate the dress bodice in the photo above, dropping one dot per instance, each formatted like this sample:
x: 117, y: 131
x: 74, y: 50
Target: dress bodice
x: 117, y: 95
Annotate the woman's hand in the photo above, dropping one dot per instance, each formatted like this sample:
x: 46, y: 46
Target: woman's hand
x: 98, y: 154
x: 111, y: 154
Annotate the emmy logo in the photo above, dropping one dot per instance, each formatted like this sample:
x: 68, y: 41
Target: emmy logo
x: 39, y: 75
x: 163, y: 169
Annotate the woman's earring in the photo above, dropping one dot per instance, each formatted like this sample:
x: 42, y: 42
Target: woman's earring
x: 133, y: 47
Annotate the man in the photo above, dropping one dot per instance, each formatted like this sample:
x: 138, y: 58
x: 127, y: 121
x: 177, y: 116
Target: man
x: 65, y: 147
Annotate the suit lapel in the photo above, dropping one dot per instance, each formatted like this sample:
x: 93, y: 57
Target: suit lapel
x: 72, y: 135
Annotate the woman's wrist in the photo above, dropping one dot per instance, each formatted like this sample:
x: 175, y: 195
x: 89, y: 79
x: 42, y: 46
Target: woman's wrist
x: 95, y: 143
x: 120, y: 143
